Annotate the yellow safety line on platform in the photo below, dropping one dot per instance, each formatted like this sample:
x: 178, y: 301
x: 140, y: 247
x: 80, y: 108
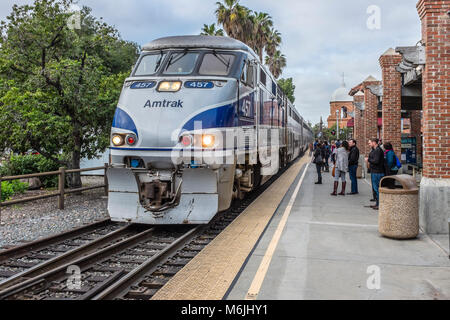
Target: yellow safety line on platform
x: 210, y: 274
x: 258, y: 280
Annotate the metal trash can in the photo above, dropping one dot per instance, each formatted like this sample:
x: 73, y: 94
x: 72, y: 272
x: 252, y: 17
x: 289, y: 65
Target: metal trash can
x: 399, y: 207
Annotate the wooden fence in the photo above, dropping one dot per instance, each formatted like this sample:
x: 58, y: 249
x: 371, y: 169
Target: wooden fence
x: 62, y: 172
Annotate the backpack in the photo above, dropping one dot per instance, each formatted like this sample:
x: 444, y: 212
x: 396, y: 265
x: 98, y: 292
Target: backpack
x: 399, y: 164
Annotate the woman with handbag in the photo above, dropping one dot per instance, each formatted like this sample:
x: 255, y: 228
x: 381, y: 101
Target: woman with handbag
x: 341, y: 168
x: 319, y: 156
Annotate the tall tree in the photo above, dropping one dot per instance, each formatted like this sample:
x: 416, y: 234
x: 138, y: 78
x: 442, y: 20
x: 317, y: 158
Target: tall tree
x: 261, y: 22
x: 288, y: 87
x: 59, y: 85
x: 276, y: 63
x: 254, y: 29
x: 235, y: 19
x: 211, y: 30
x: 273, y: 42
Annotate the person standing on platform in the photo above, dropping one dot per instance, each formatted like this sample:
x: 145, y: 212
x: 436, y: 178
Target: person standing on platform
x: 315, y: 144
x: 327, y: 156
x: 353, y: 161
x: 341, y: 168
x: 377, y: 170
x: 319, y: 157
x: 391, y: 163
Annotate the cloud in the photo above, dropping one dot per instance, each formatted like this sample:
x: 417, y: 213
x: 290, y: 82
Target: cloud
x: 321, y: 38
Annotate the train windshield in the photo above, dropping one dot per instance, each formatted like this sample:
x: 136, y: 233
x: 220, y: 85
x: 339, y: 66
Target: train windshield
x: 149, y: 64
x: 181, y: 63
x: 216, y: 64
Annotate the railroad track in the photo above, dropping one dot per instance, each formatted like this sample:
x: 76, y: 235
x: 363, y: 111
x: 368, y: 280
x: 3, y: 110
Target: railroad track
x: 36, y: 257
x: 101, y: 268
x: 128, y: 263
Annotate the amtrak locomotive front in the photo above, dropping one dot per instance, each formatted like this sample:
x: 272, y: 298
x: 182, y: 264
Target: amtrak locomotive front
x: 198, y: 122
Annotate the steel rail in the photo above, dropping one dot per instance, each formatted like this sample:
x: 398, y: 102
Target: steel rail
x: 82, y: 263
x: 64, y: 258
x: 48, y: 241
x: 121, y: 286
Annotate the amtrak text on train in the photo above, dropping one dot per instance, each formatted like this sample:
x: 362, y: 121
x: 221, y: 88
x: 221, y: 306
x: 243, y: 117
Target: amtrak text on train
x: 164, y: 104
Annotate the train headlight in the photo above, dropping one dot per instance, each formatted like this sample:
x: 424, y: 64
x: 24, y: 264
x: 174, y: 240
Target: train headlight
x: 169, y: 86
x: 131, y: 139
x: 208, y: 141
x: 117, y: 140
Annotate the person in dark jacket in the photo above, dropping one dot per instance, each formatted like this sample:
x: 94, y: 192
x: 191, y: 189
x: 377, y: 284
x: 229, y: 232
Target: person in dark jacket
x: 327, y: 150
x: 390, y: 163
x: 353, y: 161
x: 377, y: 170
x: 319, y: 156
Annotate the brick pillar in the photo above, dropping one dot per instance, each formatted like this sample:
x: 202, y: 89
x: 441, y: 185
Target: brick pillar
x: 416, y: 131
x: 435, y: 184
x: 370, y: 113
x: 358, y: 133
x: 392, y: 100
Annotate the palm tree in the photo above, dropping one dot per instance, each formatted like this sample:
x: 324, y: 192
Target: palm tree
x: 273, y: 42
x: 211, y: 30
x: 234, y: 18
x: 276, y: 63
x: 253, y: 28
x: 262, y: 23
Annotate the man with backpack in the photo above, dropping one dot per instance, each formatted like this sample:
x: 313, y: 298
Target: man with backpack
x: 319, y: 156
x: 392, y: 163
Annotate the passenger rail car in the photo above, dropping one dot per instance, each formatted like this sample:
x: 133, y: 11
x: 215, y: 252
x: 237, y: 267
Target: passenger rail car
x: 200, y: 121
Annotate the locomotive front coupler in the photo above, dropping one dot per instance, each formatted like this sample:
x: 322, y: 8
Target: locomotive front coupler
x: 159, y: 190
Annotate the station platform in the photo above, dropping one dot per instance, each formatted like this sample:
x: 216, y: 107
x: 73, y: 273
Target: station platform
x: 298, y: 242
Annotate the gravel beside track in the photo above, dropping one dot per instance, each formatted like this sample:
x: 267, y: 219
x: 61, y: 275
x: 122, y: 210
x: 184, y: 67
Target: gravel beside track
x: 34, y: 220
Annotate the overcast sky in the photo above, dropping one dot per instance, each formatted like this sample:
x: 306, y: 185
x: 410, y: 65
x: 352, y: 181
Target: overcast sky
x: 321, y: 38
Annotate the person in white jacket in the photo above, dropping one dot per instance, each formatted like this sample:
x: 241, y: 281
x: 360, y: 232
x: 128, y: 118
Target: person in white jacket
x: 341, y: 168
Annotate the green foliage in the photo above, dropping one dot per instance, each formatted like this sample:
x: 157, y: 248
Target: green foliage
x: 10, y: 188
x: 344, y: 134
x: 254, y: 29
x: 28, y: 164
x: 59, y: 87
x: 211, y: 30
x: 288, y: 87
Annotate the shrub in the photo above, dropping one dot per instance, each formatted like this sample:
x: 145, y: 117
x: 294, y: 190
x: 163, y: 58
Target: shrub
x: 10, y: 188
x: 28, y: 164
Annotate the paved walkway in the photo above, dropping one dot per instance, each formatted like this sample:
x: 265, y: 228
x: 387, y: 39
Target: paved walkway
x: 210, y: 274
x: 330, y: 247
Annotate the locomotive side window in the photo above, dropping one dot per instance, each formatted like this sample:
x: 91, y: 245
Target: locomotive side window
x: 247, y: 76
x: 149, y: 64
x: 181, y: 63
x: 262, y: 77
x: 244, y: 73
x: 216, y: 64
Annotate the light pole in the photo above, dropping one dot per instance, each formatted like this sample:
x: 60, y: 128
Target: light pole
x: 337, y: 124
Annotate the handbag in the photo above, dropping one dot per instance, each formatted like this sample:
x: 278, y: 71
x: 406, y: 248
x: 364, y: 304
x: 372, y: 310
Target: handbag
x: 318, y: 159
x: 333, y: 172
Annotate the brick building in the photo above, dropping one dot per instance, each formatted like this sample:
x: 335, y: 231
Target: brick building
x: 341, y: 106
x: 410, y: 108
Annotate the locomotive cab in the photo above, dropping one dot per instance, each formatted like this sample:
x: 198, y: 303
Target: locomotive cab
x: 184, y: 139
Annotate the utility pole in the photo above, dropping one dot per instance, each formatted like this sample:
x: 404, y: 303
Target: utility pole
x: 321, y: 127
x: 337, y: 124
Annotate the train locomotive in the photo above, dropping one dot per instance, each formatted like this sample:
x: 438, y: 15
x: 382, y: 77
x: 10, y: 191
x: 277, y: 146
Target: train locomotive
x: 199, y: 122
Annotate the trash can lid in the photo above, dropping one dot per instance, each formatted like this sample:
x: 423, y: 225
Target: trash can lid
x: 409, y: 184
